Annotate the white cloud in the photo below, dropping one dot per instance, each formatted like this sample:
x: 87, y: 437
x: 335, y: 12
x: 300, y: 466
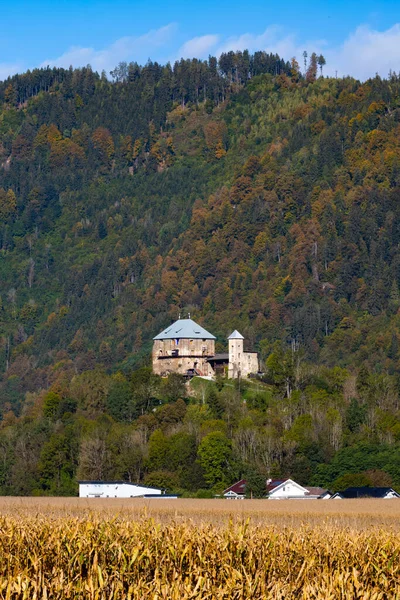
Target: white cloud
x: 273, y: 39
x: 362, y: 54
x: 124, y: 49
x: 198, y: 47
x: 366, y: 52
x: 7, y: 69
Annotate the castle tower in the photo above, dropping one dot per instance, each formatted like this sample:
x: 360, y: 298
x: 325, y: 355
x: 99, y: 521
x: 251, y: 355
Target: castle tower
x: 235, y: 368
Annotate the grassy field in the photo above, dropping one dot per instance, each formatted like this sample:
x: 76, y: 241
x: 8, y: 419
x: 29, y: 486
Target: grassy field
x: 215, y: 549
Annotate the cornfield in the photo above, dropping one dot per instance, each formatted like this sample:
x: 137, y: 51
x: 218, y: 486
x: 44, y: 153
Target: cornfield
x: 95, y: 556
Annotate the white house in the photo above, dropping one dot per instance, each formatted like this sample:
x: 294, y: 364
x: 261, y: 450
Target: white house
x: 278, y: 489
x: 289, y: 489
x: 115, y: 489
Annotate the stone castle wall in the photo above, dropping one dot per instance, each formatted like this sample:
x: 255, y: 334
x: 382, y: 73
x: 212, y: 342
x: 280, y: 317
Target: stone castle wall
x: 177, y: 356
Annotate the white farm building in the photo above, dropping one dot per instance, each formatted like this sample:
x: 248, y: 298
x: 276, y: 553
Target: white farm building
x: 115, y: 489
x: 290, y: 490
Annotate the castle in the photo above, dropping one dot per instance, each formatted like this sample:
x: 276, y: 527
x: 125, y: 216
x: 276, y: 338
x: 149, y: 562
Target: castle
x: 188, y: 349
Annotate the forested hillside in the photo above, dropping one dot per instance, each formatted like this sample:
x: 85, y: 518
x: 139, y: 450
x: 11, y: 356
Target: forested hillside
x: 242, y: 191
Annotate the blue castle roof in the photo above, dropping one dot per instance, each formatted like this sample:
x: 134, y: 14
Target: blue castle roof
x: 185, y: 329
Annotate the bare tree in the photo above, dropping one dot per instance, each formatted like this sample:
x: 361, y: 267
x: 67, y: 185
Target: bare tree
x: 31, y: 272
x: 12, y: 297
x: 94, y: 459
x: 48, y: 247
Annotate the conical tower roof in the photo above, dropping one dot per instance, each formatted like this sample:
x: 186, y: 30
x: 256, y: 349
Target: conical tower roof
x: 235, y: 335
x: 185, y: 329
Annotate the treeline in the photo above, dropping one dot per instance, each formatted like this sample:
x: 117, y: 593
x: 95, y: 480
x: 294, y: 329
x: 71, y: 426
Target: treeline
x: 197, y: 440
x: 188, y: 80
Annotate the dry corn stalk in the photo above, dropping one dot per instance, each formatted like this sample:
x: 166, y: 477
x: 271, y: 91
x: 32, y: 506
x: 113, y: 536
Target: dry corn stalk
x: 92, y: 557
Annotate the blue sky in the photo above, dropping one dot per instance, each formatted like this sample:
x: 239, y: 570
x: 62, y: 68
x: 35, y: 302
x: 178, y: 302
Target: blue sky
x: 357, y: 38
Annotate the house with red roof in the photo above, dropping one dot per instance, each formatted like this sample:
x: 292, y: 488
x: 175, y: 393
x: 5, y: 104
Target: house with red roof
x: 237, y: 491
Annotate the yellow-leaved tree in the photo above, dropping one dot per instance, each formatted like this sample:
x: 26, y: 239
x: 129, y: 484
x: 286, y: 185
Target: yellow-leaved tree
x: 8, y: 203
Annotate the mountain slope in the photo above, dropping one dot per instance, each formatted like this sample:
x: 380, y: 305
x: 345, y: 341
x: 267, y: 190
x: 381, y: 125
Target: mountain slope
x: 268, y: 204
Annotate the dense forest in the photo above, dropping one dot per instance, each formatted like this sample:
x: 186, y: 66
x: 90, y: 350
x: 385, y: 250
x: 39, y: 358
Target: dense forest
x: 248, y: 191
